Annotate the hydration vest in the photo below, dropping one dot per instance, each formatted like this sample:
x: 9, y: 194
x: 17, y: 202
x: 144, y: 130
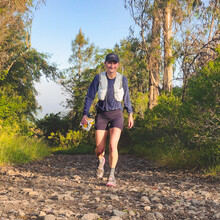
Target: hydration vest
x: 103, y: 86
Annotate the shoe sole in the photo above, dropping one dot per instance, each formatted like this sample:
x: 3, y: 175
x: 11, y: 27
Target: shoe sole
x: 111, y: 184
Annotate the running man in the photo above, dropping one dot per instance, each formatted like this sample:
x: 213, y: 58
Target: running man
x: 112, y: 88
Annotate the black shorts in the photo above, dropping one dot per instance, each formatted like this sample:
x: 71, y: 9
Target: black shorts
x: 110, y: 119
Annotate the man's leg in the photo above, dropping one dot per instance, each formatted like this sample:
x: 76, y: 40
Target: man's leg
x: 115, y: 134
x: 100, y: 138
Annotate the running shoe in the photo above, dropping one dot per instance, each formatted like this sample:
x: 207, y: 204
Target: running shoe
x: 111, y: 181
x: 100, y: 169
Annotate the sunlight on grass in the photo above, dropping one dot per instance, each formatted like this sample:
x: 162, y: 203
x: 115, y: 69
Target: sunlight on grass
x: 174, y: 158
x: 213, y: 171
x: 15, y: 149
x: 80, y: 149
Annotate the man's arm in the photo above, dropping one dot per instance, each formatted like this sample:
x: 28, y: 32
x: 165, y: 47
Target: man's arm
x: 127, y: 103
x: 93, y: 88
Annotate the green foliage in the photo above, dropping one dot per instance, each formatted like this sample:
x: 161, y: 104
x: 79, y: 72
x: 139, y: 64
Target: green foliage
x: 22, y: 76
x: 53, y: 123
x: 70, y: 139
x: 203, y: 89
x: 79, y: 76
x: 58, y: 131
x: 16, y: 148
x: 185, y: 134
x: 80, y: 149
x: 12, y: 108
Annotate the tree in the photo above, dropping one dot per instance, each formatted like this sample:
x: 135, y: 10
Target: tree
x: 20, y: 65
x: 147, y: 15
x: 82, y: 54
x: 79, y: 75
x: 195, y: 48
x: 167, y: 30
x: 155, y: 55
x: 15, y: 21
x: 192, y: 21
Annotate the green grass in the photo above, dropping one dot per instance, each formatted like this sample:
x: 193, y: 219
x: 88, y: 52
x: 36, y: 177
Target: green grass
x: 16, y: 149
x: 81, y: 149
x: 174, y: 157
x: 213, y: 171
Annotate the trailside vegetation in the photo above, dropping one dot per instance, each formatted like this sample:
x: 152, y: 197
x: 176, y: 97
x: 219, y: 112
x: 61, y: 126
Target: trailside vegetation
x: 171, y: 60
x: 20, y: 67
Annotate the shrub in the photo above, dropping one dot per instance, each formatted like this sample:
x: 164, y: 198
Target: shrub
x: 70, y: 139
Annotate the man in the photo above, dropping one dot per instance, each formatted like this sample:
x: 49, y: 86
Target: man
x: 112, y: 88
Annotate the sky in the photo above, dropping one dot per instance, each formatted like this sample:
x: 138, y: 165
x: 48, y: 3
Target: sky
x: 57, y: 23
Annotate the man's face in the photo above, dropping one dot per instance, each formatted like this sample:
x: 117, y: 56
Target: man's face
x: 111, y: 66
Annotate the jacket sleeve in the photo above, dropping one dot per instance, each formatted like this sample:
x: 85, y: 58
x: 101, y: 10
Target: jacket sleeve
x: 93, y: 88
x: 127, y: 100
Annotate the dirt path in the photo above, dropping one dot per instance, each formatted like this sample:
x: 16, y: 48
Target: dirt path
x: 64, y: 187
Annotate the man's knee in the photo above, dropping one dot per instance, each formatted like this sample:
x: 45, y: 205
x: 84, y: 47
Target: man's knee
x: 112, y: 148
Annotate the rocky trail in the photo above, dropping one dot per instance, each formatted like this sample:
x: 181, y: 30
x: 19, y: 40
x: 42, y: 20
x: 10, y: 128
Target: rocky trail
x: 65, y: 187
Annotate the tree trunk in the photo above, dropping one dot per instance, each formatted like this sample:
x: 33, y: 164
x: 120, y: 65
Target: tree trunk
x: 155, y: 54
x: 168, y: 66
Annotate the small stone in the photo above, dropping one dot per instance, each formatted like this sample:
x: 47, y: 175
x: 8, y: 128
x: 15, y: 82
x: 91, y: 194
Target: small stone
x: 119, y: 213
x: 155, y: 199
x: 205, y: 194
x: 42, y: 214
x: 131, y: 213
x: 49, y: 217
x: 27, y: 190
x: 115, y: 218
x: 145, y: 199
x: 85, y: 197
x: 109, y: 208
x: 147, y: 208
x: 159, y: 206
x: 150, y: 216
x: 97, y: 199
x: 33, y: 194
x: 25, y: 203
x: 76, y: 177
x: 195, y: 202
x: 159, y: 216
x: 114, y: 197
x: 90, y: 216
x: 216, y: 216
x: 101, y: 206
x: 153, y: 191
x: 96, y: 192
x: 21, y: 212
x: 191, y: 212
x: 54, y: 197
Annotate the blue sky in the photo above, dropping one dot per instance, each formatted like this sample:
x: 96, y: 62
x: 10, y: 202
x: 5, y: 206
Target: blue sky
x: 57, y: 23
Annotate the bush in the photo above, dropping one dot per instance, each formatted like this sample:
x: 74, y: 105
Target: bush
x: 183, y: 134
x: 53, y: 123
x: 12, y: 108
x: 70, y: 139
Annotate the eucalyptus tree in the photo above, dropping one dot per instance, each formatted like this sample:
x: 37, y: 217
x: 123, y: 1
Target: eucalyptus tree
x: 189, y: 35
x: 147, y: 15
x: 197, y: 37
x: 167, y: 33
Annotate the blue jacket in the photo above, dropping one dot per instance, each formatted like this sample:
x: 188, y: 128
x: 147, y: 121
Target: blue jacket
x: 109, y: 103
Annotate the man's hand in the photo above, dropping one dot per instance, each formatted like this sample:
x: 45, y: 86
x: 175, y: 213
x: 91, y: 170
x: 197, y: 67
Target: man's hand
x: 84, y: 120
x: 130, y: 121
